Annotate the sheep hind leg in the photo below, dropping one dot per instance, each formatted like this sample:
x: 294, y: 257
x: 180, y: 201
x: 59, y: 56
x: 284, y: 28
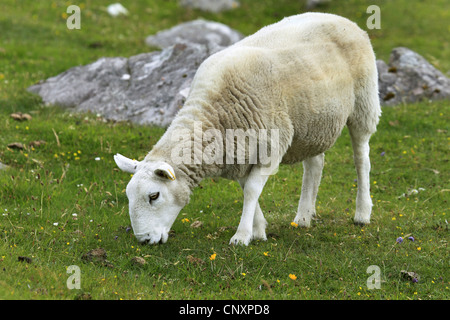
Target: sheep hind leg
x: 312, y: 173
x: 360, y: 143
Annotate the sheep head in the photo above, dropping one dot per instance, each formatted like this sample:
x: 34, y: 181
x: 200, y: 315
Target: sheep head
x: 155, y: 198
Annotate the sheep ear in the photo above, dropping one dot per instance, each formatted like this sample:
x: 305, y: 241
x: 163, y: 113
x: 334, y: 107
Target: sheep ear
x: 126, y: 164
x: 165, y: 171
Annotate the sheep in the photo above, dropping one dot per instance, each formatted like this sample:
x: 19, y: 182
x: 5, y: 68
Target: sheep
x: 302, y: 80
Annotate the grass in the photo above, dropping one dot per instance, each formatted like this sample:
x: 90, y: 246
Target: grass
x: 57, y: 202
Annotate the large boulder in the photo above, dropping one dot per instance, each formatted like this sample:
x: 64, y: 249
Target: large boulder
x: 214, y: 6
x: 214, y: 35
x: 148, y: 88
x: 409, y: 78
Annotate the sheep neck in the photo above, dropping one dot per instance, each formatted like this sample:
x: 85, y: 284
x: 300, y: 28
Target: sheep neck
x: 189, y: 126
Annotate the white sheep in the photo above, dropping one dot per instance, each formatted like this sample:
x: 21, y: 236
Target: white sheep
x: 303, y: 78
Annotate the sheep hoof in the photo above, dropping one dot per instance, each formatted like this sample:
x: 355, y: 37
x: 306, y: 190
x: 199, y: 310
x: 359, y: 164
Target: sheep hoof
x: 260, y: 235
x: 361, y: 222
x: 259, y: 231
x: 240, y: 238
x: 361, y: 219
x: 304, y: 222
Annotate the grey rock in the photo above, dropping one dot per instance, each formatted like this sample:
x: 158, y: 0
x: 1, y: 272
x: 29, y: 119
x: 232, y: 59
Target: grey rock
x: 214, y: 6
x: 312, y: 4
x: 148, y: 88
x: 409, y: 78
x: 214, y: 35
x: 3, y: 166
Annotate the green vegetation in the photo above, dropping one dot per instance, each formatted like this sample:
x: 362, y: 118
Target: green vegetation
x: 65, y: 197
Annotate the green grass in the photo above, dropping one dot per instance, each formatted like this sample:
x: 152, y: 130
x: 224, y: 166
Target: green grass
x: 57, y: 202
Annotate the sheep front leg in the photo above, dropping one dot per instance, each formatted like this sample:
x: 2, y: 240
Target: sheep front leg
x: 259, y: 222
x: 253, y: 186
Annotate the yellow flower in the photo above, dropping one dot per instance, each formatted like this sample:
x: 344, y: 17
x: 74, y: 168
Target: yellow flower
x: 292, y: 276
x: 213, y: 257
x: 266, y: 253
x: 419, y: 248
x: 295, y: 225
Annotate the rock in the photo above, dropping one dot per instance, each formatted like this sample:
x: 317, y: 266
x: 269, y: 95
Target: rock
x: 410, y: 78
x: 312, y: 4
x: 116, y: 9
x: 410, y: 275
x: 214, y: 35
x: 148, y: 88
x: 214, y: 6
x: 134, y: 89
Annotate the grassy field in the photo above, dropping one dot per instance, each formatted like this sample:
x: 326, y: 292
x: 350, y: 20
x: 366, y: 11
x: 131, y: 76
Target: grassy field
x: 62, y: 198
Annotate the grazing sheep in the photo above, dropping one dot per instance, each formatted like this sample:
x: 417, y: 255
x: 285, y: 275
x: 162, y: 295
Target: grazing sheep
x: 301, y: 80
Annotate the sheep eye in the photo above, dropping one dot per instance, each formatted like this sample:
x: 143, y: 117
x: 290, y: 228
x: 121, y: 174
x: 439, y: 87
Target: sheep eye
x: 153, y: 196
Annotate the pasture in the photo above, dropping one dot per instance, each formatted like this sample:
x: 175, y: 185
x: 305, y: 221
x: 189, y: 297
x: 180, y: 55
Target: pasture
x: 65, y: 197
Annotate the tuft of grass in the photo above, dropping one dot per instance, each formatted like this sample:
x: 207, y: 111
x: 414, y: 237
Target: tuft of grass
x: 65, y: 197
